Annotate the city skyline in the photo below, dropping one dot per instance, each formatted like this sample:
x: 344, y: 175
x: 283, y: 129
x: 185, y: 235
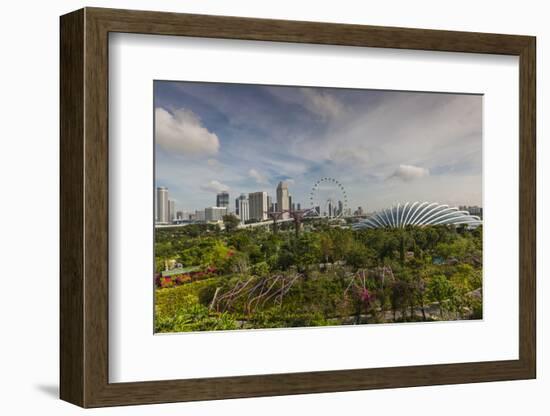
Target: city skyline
x: 166, y: 210
x: 385, y: 146
x: 257, y: 206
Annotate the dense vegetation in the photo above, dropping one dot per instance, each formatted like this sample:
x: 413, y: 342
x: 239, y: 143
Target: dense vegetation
x: 325, y: 275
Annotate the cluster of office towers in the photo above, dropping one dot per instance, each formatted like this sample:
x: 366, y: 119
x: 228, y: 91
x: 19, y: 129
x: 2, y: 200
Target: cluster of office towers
x: 254, y: 206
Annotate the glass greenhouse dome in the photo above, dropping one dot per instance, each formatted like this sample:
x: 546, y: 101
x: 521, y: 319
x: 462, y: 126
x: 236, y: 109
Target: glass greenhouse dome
x: 418, y: 214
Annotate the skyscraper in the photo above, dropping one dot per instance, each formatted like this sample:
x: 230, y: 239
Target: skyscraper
x: 162, y: 205
x: 290, y: 207
x: 257, y: 205
x: 222, y: 200
x: 243, y: 208
x: 282, y: 198
x: 270, y: 207
x: 171, y: 210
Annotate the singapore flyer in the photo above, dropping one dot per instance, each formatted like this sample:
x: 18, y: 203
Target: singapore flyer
x: 328, y: 198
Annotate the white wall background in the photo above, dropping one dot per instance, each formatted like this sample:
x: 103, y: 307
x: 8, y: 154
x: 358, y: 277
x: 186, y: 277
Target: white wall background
x: 29, y: 84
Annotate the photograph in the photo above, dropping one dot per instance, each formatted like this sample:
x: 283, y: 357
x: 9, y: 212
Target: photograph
x: 305, y: 206
x: 267, y: 208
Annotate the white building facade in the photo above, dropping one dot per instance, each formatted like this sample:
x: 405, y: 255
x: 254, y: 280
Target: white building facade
x: 214, y: 213
x: 283, y: 199
x: 257, y: 204
x: 161, y: 206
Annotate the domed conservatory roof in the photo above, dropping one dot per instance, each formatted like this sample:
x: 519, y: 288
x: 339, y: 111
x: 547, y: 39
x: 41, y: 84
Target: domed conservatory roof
x: 418, y: 214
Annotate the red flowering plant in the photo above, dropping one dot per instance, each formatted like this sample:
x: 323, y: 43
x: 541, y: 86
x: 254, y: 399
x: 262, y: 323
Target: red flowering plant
x: 166, y: 282
x: 183, y: 278
x: 364, y: 297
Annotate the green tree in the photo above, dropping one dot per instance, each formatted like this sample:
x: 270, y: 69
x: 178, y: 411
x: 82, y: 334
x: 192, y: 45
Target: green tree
x: 230, y: 222
x: 405, y: 242
x: 441, y: 290
x: 237, y: 262
x: 163, y: 253
x: 398, y: 298
x: 360, y: 256
x: 327, y: 248
x: 342, y: 242
x: 260, y: 269
x: 301, y: 252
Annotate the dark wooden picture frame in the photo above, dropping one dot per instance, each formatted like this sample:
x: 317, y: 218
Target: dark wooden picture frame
x: 84, y: 207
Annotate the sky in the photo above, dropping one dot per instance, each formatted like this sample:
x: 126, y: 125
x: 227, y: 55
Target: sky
x: 384, y: 147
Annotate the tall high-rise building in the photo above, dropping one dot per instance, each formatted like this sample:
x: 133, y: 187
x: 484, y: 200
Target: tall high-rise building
x: 269, y: 204
x: 162, y: 205
x: 171, y: 210
x: 244, y: 208
x: 290, y: 207
x: 214, y: 213
x: 257, y: 205
x: 282, y: 198
x: 222, y: 199
x: 237, y: 206
x: 340, y: 208
x: 298, y: 206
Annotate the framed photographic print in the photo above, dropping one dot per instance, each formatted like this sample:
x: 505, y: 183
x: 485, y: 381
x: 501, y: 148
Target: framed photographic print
x: 260, y: 207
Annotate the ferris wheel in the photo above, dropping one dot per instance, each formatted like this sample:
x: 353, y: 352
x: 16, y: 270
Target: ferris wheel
x: 328, y: 198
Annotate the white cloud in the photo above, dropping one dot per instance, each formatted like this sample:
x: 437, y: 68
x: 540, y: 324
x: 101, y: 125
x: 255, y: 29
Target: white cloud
x: 322, y: 103
x: 182, y: 132
x: 356, y: 156
x: 378, y: 144
x: 257, y: 176
x: 409, y: 173
x: 214, y: 186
